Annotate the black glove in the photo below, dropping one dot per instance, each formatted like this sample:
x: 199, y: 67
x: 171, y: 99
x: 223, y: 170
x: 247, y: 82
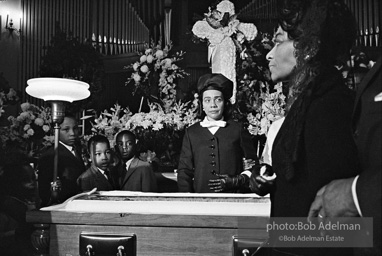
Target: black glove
x: 227, y: 182
x: 262, y: 179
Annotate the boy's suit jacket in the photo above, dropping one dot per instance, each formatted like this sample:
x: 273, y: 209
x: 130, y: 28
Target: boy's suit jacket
x: 69, y: 169
x: 93, y: 178
x: 139, y: 177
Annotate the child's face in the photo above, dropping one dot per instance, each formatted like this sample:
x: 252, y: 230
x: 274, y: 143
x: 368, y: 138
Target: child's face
x: 126, y: 146
x: 101, y: 155
x: 69, y: 131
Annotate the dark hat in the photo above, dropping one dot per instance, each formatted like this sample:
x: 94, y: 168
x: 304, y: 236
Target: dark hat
x: 216, y: 82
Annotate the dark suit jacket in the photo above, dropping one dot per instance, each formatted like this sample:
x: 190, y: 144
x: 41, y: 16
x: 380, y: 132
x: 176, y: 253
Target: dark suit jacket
x: 93, y: 178
x: 139, y: 177
x: 203, y: 152
x: 69, y: 169
x: 367, y: 125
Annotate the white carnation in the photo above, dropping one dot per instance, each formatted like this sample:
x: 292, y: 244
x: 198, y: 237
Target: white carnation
x: 143, y: 58
x: 45, y: 128
x: 144, y: 69
x: 39, y: 121
x: 30, y: 132
x: 136, y: 77
x: 159, y: 54
x: 25, y: 106
x: 150, y: 59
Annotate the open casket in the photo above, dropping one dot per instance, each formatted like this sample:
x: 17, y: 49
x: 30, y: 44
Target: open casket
x: 163, y: 223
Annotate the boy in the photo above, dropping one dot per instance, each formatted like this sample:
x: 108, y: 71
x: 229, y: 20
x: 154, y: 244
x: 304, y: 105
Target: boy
x: 70, y: 164
x: 136, y: 175
x: 98, y: 175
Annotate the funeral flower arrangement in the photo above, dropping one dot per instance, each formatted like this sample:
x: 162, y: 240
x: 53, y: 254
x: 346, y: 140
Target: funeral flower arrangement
x: 30, y: 130
x: 155, y: 130
x: 225, y: 35
x: 221, y: 22
x: 156, y: 73
x: 271, y: 108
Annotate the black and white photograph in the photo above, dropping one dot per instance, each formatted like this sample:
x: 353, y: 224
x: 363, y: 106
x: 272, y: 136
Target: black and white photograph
x: 190, y: 127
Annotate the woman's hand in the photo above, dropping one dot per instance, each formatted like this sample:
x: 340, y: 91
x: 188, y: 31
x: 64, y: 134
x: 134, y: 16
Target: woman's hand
x: 262, y: 179
x: 227, y: 182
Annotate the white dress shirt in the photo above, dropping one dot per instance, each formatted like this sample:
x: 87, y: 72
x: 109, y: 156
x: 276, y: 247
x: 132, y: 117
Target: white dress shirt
x: 128, y: 163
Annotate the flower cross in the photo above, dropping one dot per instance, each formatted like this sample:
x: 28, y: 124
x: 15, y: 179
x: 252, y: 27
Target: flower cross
x: 219, y: 27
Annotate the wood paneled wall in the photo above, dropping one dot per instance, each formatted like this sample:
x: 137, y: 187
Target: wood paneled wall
x: 114, y: 25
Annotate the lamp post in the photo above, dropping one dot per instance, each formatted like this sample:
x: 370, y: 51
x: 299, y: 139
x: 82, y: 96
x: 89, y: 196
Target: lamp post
x: 57, y: 91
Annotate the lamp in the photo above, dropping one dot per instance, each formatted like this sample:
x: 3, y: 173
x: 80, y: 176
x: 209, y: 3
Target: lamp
x: 9, y: 26
x: 57, y: 91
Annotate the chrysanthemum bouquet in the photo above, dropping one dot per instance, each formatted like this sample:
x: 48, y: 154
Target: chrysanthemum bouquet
x: 30, y: 130
x: 156, y: 73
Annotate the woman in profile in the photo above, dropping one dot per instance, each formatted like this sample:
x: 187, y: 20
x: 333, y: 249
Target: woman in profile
x: 314, y: 144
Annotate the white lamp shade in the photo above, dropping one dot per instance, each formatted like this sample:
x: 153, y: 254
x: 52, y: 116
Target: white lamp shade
x: 57, y: 89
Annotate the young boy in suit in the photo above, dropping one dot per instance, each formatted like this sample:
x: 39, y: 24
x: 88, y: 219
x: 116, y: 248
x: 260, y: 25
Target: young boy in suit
x: 135, y: 174
x: 70, y: 164
x: 98, y: 175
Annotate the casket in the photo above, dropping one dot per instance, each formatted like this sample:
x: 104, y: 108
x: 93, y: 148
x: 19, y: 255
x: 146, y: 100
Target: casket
x: 161, y: 223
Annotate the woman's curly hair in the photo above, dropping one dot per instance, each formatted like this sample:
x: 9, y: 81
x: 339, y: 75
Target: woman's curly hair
x: 323, y: 29
x: 323, y: 32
